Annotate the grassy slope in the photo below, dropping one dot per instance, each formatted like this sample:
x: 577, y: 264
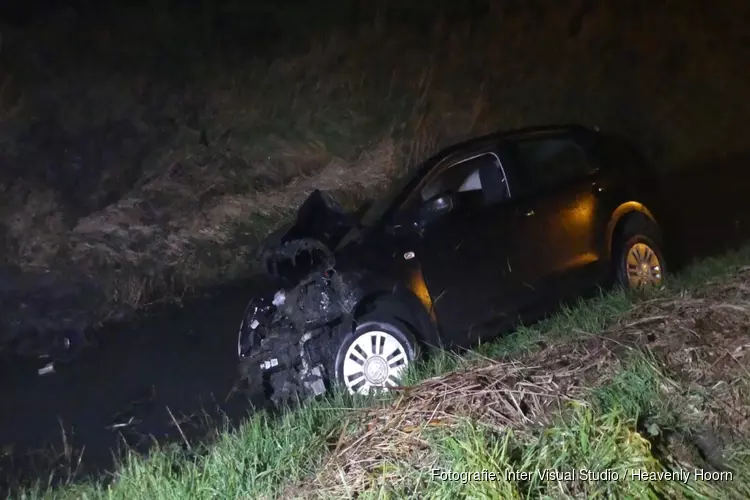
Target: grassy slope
x: 618, y: 383
x: 155, y: 162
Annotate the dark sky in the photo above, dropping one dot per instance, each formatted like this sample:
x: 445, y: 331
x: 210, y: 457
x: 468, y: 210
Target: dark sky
x: 20, y: 12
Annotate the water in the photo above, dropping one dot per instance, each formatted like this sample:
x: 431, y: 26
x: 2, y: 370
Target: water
x: 175, y: 359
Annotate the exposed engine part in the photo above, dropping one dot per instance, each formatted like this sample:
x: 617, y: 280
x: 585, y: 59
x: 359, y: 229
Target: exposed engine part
x: 260, y: 311
x: 313, y: 304
x: 271, y: 363
x: 314, y: 382
x: 285, y: 336
x: 279, y: 298
x: 311, y: 377
x: 289, y: 366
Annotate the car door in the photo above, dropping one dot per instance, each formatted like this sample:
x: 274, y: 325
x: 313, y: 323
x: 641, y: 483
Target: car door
x: 556, y: 208
x: 463, y: 253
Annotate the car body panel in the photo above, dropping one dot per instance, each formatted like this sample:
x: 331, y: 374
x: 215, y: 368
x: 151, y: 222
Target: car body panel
x: 459, y: 256
x: 567, y: 216
x: 495, y: 246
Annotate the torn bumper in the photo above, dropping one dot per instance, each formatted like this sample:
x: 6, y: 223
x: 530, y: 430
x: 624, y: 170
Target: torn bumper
x: 287, y: 339
x: 288, y: 329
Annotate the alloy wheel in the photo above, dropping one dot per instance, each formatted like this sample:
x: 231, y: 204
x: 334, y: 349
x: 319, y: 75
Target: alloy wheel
x: 374, y: 360
x: 642, y: 266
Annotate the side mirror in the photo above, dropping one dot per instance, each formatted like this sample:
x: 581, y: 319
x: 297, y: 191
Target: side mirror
x: 419, y: 217
x: 437, y: 207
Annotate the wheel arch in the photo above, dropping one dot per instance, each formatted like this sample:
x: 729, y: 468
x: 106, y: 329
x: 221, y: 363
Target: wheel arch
x: 405, y: 305
x: 619, y: 219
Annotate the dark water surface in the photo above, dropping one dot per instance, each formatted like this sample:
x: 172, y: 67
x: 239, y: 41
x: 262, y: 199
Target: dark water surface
x: 175, y: 359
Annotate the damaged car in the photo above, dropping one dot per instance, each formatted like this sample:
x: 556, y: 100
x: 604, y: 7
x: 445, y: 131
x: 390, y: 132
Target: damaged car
x: 483, y: 235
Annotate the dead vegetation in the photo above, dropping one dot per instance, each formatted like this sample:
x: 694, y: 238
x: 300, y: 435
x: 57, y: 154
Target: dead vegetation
x: 702, y: 340
x: 700, y: 349
x: 213, y: 243
x: 158, y: 173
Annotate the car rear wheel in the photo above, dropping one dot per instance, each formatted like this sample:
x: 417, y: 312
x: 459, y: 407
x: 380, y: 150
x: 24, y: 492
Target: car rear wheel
x: 639, y: 258
x: 375, y: 356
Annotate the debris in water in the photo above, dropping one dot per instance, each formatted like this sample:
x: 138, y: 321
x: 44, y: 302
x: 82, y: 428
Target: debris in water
x: 122, y: 424
x: 47, y: 369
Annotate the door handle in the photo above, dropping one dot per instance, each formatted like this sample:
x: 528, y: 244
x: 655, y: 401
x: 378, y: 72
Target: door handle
x: 529, y: 212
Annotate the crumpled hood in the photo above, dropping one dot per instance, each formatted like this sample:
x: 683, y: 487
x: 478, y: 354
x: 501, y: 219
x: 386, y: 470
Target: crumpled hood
x: 320, y: 217
x: 305, y: 248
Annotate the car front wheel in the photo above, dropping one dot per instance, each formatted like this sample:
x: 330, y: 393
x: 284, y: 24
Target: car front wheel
x: 375, y: 355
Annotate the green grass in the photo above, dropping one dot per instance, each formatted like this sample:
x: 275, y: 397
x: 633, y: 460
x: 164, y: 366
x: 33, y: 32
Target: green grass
x: 632, y: 391
x: 609, y: 428
x: 256, y: 458
x: 586, y: 440
x: 608, y: 446
x: 603, y: 435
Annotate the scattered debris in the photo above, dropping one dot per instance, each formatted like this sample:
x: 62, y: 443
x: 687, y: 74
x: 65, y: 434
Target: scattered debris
x: 47, y: 369
x: 141, y: 404
x: 120, y: 425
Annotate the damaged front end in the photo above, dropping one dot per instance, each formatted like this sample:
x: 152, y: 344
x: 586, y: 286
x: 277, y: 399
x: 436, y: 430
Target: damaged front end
x: 288, y: 331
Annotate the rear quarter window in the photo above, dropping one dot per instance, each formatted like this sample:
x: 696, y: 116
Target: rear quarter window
x: 545, y: 163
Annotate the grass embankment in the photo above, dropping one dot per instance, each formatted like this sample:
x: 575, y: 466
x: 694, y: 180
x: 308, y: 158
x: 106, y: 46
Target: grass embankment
x: 153, y: 149
x: 623, y: 382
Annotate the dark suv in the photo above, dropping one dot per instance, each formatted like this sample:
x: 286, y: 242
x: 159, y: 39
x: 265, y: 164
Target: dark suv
x: 463, y: 246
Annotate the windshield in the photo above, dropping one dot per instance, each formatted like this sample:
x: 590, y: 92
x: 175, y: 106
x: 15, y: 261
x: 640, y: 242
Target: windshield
x: 382, y: 204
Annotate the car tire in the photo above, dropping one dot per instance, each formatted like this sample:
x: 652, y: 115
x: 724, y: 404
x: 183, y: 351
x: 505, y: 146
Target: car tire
x: 375, y: 354
x: 638, y: 257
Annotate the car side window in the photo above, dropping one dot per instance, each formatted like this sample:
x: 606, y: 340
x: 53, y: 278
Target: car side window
x: 482, y: 174
x: 544, y: 163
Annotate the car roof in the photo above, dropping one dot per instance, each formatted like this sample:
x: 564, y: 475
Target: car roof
x: 476, y: 143
x: 519, y: 133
